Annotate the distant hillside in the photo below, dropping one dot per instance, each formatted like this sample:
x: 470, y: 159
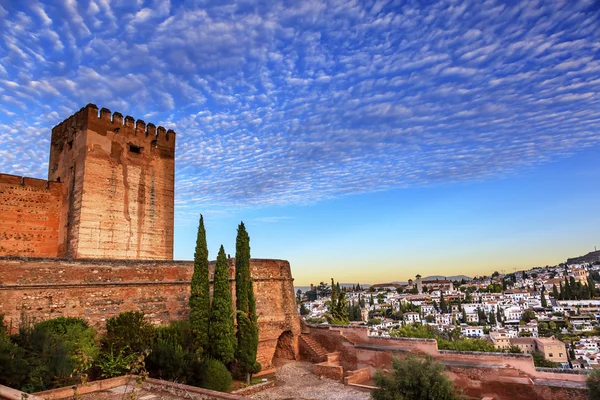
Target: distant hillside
x: 451, y: 278
x: 588, y: 258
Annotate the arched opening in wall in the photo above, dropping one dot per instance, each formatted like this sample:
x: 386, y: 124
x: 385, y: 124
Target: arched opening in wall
x: 285, y: 349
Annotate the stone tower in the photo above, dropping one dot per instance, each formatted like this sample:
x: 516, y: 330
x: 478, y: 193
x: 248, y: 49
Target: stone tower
x: 117, y: 180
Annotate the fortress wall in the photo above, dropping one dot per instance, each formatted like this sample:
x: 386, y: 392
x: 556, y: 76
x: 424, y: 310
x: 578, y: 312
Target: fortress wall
x: 99, y: 289
x: 495, y: 375
x: 30, y: 210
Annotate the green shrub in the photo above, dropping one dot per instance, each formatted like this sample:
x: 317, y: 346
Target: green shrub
x: 167, y: 360
x: 593, y: 384
x: 53, y: 353
x: 414, y: 378
x: 13, y: 365
x: 128, y: 332
x: 112, y: 363
x: 172, y: 351
x: 215, y: 376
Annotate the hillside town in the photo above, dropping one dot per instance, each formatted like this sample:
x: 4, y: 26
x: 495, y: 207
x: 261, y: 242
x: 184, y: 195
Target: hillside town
x: 552, y: 313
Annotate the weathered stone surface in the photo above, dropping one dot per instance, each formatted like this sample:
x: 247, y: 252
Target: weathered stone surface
x: 30, y: 210
x: 99, y: 289
x: 109, y: 211
x: 118, y: 186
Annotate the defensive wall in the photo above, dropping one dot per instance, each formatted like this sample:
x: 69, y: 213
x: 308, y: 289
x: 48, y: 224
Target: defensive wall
x: 30, y: 210
x: 97, y: 289
x: 500, y: 376
x: 109, y: 194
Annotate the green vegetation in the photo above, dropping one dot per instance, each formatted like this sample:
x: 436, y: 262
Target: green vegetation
x: 414, y: 378
x: 247, y: 321
x: 128, y: 332
x: 338, y: 313
x: 200, y: 292
x: 572, y: 290
x: 304, y: 310
x: 215, y: 376
x: 49, y: 354
x: 449, y: 341
x: 593, y: 384
x: 221, y: 334
x: 540, y: 361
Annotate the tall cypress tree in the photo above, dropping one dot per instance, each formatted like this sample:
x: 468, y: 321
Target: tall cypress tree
x: 554, y: 291
x: 544, y: 301
x: 221, y: 334
x: 591, y: 286
x: 443, y: 305
x: 200, y: 292
x: 247, y: 320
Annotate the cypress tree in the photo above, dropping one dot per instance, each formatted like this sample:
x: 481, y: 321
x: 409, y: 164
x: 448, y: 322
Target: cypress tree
x: 554, y: 291
x: 561, y: 296
x: 443, y: 305
x: 568, y: 294
x: 544, y: 301
x: 492, y: 318
x: 591, y: 286
x: 573, y: 287
x: 498, y: 314
x: 221, y: 334
x: 247, y: 320
x: 200, y: 292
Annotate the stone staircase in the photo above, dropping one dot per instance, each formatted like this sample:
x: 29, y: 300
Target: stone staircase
x: 317, y: 352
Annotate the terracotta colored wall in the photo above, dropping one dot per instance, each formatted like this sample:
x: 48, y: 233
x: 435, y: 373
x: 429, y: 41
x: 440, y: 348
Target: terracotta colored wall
x: 30, y: 210
x: 500, y: 376
x: 119, y: 202
x: 99, y: 289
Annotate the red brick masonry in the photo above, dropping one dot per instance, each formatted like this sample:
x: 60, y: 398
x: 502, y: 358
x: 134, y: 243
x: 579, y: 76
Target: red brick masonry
x: 98, y: 289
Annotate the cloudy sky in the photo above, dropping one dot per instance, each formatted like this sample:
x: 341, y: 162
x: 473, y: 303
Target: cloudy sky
x: 365, y: 141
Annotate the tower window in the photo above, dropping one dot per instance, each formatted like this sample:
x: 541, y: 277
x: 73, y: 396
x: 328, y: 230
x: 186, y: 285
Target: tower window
x: 135, y: 149
x: 70, y: 144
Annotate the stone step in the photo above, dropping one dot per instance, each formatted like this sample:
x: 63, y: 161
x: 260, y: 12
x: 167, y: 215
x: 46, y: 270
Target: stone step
x: 319, y: 353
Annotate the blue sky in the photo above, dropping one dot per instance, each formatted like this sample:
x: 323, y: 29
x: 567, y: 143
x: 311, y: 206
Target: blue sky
x: 367, y: 141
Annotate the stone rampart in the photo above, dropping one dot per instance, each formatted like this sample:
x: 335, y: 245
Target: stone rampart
x: 99, y: 289
x: 30, y: 210
x: 501, y: 376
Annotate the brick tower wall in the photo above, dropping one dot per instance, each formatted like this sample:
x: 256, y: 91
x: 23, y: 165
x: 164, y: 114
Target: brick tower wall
x: 30, y: 210
x: 119, y: 179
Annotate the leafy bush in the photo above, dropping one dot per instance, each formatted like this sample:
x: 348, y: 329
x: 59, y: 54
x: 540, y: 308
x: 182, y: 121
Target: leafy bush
x: 112, y: 363
x: 13, y: 366
x: 593, y: 384
x: 167, y: 360
x: 414, y: 378
x: 50, y: 354
x: 215, y: 376
x: 128, y: 332
x: 540, y: 361
x: 467, y: 345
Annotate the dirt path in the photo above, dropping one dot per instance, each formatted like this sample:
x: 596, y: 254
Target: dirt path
x: 295, y: 381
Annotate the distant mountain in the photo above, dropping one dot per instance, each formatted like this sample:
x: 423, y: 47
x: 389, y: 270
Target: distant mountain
x: 451, y: 278
x: 588, y: 258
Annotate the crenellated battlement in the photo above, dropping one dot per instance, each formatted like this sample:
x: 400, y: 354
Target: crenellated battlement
x: 104, y: 122
x: 26, y: 182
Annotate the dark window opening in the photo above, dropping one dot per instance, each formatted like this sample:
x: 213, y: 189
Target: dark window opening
x: 70, y: 144
x: 135, y: 149
x: 58, y: 179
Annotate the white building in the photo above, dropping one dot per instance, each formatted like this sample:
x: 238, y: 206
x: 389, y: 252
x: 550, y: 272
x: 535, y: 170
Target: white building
x: 471, y: 331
